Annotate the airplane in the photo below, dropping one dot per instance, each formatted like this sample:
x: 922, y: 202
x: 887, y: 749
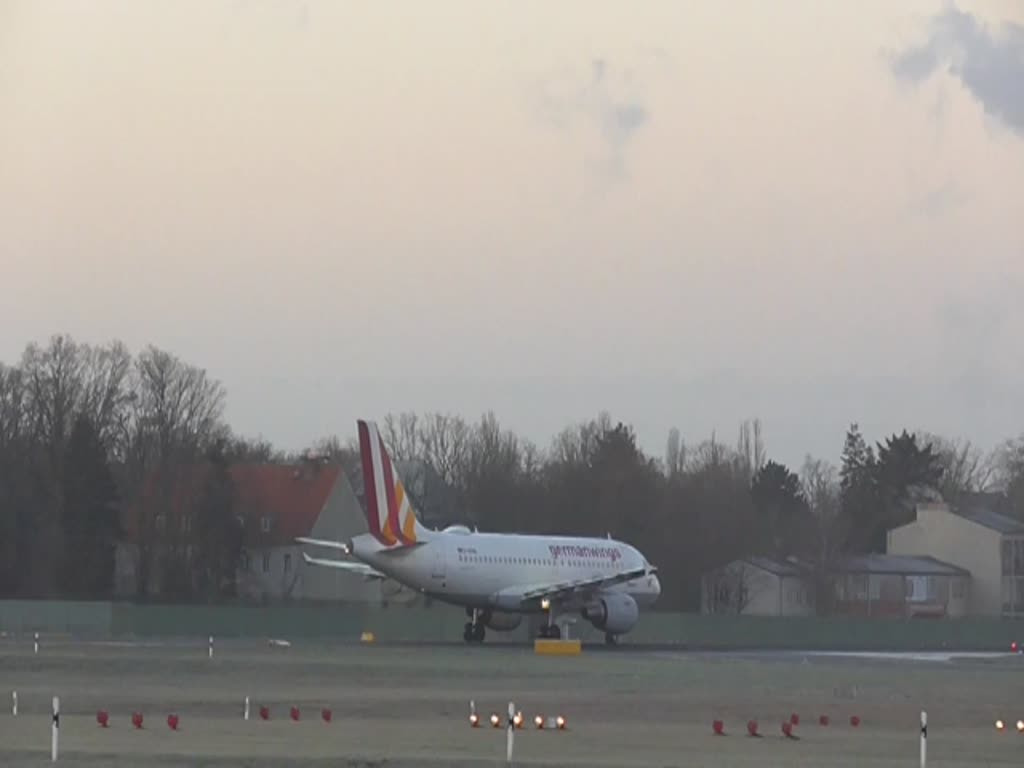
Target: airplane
x: 498, y: 578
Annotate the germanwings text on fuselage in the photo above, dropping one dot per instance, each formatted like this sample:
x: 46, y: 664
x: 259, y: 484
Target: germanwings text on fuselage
x: 583, y: 552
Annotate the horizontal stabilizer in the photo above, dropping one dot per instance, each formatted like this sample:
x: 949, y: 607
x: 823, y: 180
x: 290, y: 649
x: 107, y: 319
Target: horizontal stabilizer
x: 325, y: 543
x: 344, y: 565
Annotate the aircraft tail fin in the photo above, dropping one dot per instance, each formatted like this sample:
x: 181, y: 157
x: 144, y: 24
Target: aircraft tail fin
x: 389, y: 511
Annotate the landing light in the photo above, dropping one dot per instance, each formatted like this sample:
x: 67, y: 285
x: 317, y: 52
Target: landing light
x: 518, y: 720
x: 474, y: 720
x: 999, y: 725
x: 1020, y: 726
x: 545, y: 604
x: 495, y: 720
x: 560, y: 722
x: 538, y: 721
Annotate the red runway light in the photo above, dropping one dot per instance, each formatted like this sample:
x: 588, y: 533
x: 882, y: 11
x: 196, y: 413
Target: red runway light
x: 855, y: 721
x: 103, y: 718
x: 264, y: 713
x: 787, y: 730
x: 295, y: 714
x: 794, y: 719
x: 718, y: 727
x: 137, y: 719
x: 823, y: 720
x: 752, y: 729
x: 326, y: 714
x: 172, y: 722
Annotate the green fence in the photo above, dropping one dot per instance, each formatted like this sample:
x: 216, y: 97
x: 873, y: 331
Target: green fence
x: 440, y: 623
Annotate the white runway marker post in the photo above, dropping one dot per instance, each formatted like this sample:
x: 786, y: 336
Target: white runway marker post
x: 211, y: 646
x: 924, y: 738
x: 511, y: 729
x: 56, y: 728
x: 245, y: 713
x: 35, y: 643
x: 14, y: 704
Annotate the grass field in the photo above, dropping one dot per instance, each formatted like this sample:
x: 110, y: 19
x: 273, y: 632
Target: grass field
x: 408, y: 705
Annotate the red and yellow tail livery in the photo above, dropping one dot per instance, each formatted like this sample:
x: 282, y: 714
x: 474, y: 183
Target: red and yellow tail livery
x: 389, y: 511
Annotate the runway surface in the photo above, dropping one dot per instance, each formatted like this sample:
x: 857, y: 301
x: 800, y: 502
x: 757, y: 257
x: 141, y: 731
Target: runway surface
x: 408, y: 705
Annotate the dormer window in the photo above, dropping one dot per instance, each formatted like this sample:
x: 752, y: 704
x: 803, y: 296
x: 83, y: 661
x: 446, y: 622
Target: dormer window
x: 265, y: 524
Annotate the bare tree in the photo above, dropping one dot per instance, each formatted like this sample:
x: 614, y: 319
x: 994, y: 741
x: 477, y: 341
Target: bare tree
x: 177, y: 413
x: 15, y: 458
x: 445, y: 445
x: 821, y: 488
x: 965, y: 469
x: 335, y: 450
x: 54, y: 383
x: 13, y: 405
x: 750, y: 447
x: 1008, y: 474
x: 730, y: 589
x: 577, y: 444
x: 675, y: 454
x: 402, y: 436
x: 106, y: 396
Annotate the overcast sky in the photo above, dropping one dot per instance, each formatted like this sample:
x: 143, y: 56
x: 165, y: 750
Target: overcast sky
x: 684, y: 213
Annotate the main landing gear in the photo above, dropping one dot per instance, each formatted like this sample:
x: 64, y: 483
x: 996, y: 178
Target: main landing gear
x: 475, y: 629
x: 550, y: 632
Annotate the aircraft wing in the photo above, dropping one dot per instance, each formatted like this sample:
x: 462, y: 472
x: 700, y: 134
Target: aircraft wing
x: 361, y: 568
x: 565, y: 590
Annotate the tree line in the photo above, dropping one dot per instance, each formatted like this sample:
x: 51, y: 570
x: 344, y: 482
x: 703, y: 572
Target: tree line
x: 97, y: 443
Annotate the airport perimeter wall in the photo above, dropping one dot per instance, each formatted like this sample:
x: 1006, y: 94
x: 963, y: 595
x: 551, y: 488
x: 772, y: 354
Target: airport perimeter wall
x: 439, y: 623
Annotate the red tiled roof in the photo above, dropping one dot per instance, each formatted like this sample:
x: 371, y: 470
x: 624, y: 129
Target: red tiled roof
x: 292, y: 495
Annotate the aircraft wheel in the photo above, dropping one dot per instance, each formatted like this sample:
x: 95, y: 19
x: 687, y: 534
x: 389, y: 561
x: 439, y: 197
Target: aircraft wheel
x: 478, y: 634
x: 550, y: 633
x: 467, y: 633
x: 610, y: 639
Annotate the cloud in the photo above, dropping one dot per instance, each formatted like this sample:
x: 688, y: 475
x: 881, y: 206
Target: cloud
x: 990, y: 64
x: 617, y: 119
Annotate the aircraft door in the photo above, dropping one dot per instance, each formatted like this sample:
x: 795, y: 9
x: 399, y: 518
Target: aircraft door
x: 437, y: 571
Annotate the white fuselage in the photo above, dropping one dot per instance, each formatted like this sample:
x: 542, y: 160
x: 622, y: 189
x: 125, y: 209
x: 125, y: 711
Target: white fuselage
x: 487, y: 570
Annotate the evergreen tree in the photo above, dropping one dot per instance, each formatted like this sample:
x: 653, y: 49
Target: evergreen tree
x: 783, y: 516
x: 906, y: 474
x: 858, y: 496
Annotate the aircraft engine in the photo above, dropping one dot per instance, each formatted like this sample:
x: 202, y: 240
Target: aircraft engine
x: 503, y: 622
x: 616, y: 613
